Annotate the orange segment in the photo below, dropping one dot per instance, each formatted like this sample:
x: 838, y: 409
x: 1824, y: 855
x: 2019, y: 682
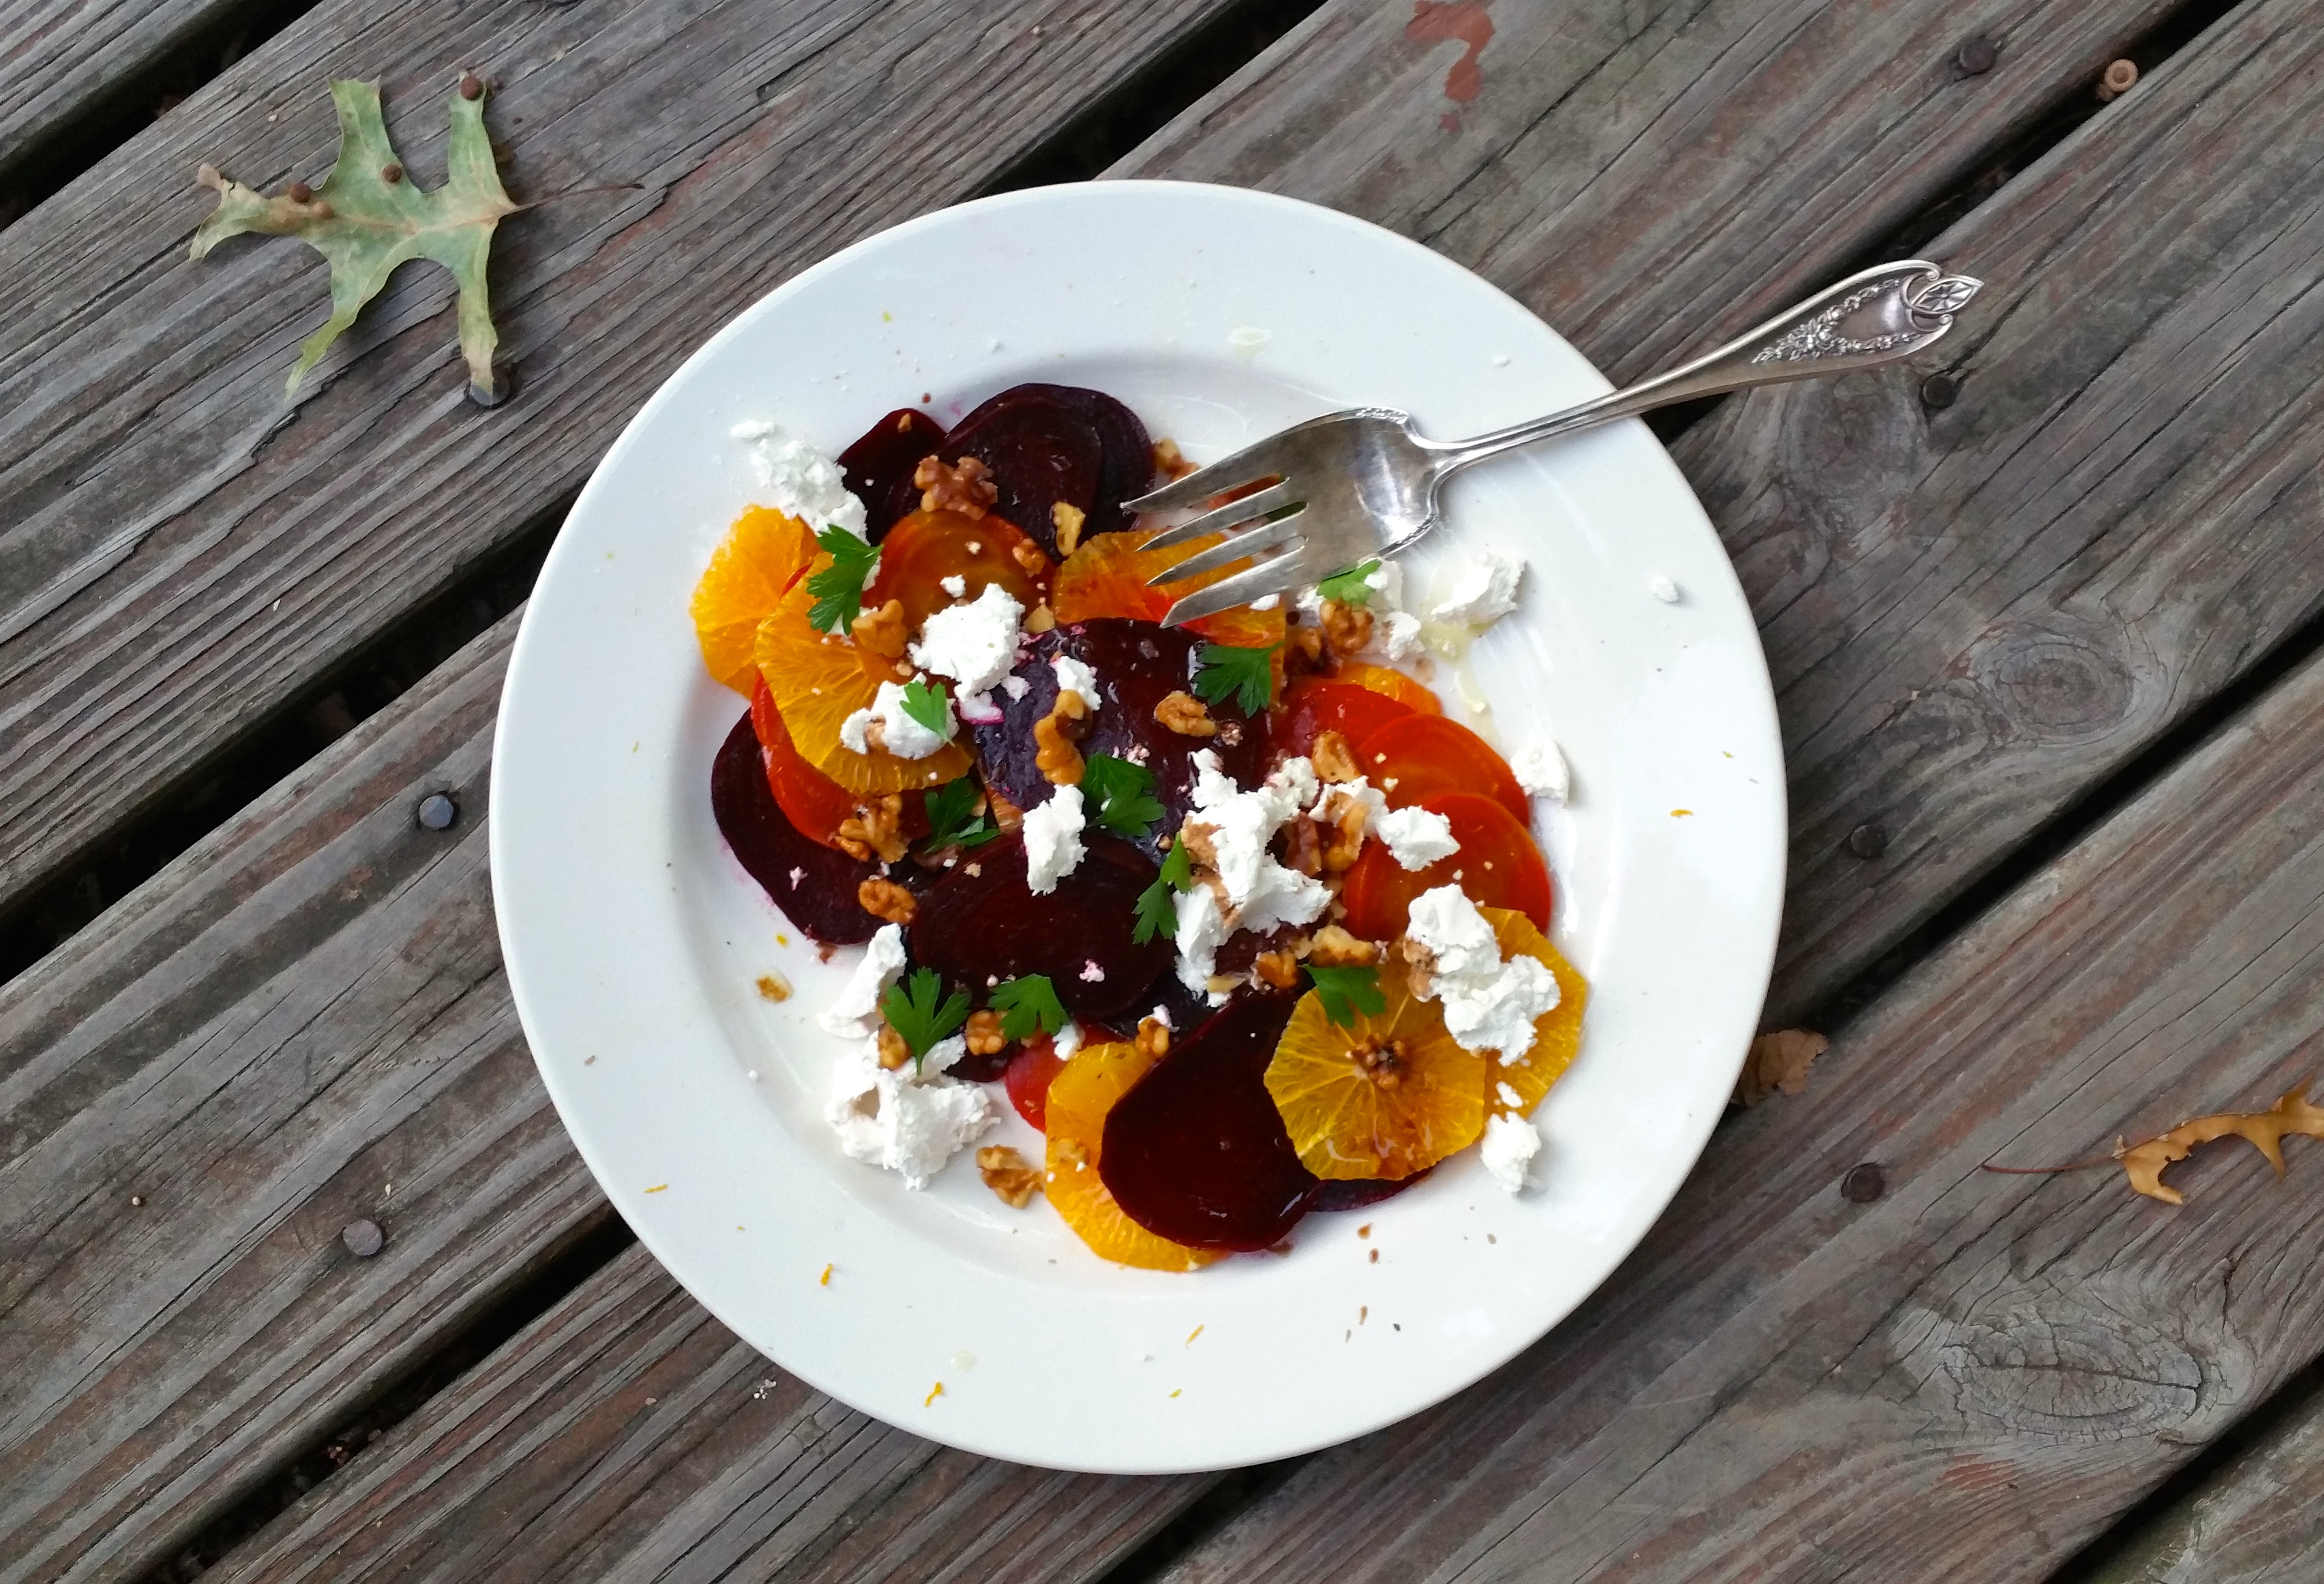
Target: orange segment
x: 763, y: 554
x: 1382, y: 1097
x: 819, y: 680
x: 1106, y: 578
x: 1393, y: 683
x: 1084, y: 1091
x: 1556, y: 1033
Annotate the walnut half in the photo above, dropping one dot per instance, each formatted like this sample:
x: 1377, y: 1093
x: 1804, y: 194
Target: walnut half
x: 1057, y: 755
x: 1004, y: 1172
x: 1186, y: 714
x: 966, y: 487
x: 883, y: 898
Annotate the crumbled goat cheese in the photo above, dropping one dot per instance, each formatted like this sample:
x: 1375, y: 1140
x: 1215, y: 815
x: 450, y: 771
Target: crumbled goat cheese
x: 1016, y: 687
x: 1161, y: 1015
x: 1509, y: 1144
x: 978, y: 709
x: 1074, y: 676
x: 1489, y: 1005
x: 908, y: 1122
x: 974, y: 643
x: 1510, y: 1097
x: 1485, y: 589
x: 1664, y: 589
x: 1202, y: 931
x: 901, y: 734
x: 1541, y: 771
x: 800, y: 480
x: 1396, y: 632
x: 1067, y: 1040
x: 1053, y: 840
x: 1092, y: 973
x: 851, y: 1012
x: 955, y: 586
x: 1264, y: 893
x: 1415, y: 837
x: 1267, y: 603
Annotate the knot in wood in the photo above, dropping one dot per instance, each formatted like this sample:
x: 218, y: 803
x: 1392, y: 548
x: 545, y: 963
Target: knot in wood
x: 2054, y: 684
x: 2065, y: 1366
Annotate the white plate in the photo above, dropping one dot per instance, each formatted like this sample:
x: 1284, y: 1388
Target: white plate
x: 633, y: 939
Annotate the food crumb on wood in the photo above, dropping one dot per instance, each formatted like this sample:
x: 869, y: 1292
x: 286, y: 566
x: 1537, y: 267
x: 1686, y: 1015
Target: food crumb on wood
x: 774, y: 987
x: 1778, y: 1063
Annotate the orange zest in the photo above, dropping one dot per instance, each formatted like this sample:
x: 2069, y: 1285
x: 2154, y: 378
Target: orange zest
x: 1556, y: 1033
x: 763, y: 554
x: 1107, y: 577
x: 1386, y: 1096
x: 1084, y: 1091
x: 818, y: 679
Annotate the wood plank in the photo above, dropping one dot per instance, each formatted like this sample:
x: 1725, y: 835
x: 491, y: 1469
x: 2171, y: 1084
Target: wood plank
x: 1973, y: 615
x: 628, y: 1435
x: 2259, y: 1520
x: 1969, y: 1378
x: 171, y: 528
x: 59, y: 56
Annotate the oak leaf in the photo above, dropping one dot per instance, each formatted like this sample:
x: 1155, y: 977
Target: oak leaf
x: 2144, y: 1163
x: 1778, y: 1062
x: 369, y: 216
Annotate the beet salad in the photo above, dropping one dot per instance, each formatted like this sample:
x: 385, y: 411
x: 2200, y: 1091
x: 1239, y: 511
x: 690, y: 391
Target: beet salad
x: 1232, y: 913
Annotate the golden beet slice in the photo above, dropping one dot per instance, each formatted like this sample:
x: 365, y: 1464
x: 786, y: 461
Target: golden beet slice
x: 1084, y: 1091
x: 1106, y: 578
x: 819, y: 680
x: 1556, y: 1033
x: 763, y: 554
x: 1388, y: 1095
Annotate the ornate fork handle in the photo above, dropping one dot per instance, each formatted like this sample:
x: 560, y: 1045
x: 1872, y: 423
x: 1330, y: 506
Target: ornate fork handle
x: 1882, y: 314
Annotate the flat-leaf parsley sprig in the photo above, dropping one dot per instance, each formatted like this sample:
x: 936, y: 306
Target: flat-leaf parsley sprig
x: 918, y: 1009
x: 930, y: 706
x: 1247, y: 675
x: 1346, y: 991
x: 1028, y: 1003
x: 1158, y: 906
x: 1121, y: 794
x: 956, y: 817
x: 838, y: 588
x: 1350, y: 587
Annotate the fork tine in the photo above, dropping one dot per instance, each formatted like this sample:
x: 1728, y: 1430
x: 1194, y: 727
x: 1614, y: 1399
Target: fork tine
x: 1248, y: 466
x: 1265, y: 535
x: 1219, y: 520
x: 1277, y: 575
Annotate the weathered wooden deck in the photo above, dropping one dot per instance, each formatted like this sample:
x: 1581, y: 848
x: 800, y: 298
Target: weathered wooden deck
x: 2044, y: 619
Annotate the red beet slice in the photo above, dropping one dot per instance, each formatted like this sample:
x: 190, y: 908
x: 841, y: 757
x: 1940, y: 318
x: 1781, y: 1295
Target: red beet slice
x: 1126, y: 464
x: 1197, y: 1152
x: 1355, y: 1192
x: 979, y: 922
x: 813, y: 884
x: 878, y: 468
x: 1040, y: 453
x: 1135, y: 664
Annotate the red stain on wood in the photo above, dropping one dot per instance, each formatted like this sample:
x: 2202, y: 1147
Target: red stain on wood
x: 1435, y: 21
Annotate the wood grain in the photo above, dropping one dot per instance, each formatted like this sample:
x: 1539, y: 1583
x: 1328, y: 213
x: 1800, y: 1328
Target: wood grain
x: 58, y: 56
x: 171, y: 528
x: 1970, y: 1377
x: 2258, y: 1520
x: 628, y: 1435
x: 1973, y: 615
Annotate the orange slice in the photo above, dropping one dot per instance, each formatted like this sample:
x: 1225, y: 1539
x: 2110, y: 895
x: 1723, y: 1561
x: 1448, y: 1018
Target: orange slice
x: 1382, y: 1097
x: 1084, y: 1091
x: 763, y: 554
x: 1391, y: 683
x: 1106, y: 578
x: 1556, y: 1033
x: 819, y: 680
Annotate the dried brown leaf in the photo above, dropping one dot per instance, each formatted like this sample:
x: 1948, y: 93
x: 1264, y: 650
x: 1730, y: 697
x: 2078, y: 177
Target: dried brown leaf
x: 1778, y: 1062
x: 2144, y: 1163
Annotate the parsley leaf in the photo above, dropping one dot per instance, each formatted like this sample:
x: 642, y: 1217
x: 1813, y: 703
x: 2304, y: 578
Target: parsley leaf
x: 930, y: 706
x: 1349, y: 587
x: 1027, y: 1003
x: 838, y: 588
x: 1122, y: 794
x: 920, y: 1011
x: 1158, y: 913
x: 1346, y: 991
x: 1244, y: 674
x: 953, y: 819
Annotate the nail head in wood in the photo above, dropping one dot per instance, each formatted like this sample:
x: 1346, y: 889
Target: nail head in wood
x: 1868, y: 841
x: 504, y: 388
x: 363, y: 1239
x: 391, y: 174
x: 2118, y: 79
x: 472, y: 87
x: 437, y: 812
x: 138, y: 1201
x: 1976, y: 57
x: 298, y: 192
x: 1863, y: 1184
x: 1939, y: 392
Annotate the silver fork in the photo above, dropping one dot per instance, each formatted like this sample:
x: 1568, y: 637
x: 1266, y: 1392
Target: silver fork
x: 1356, y: 485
